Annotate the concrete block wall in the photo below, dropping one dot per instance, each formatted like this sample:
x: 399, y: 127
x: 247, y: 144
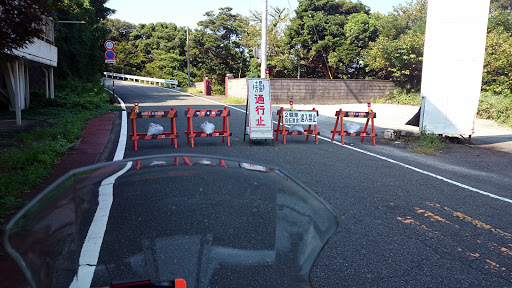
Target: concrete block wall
x: 318, y: 91
x: 324, y: 91
x: 198, y: 85
x: 237, y: 88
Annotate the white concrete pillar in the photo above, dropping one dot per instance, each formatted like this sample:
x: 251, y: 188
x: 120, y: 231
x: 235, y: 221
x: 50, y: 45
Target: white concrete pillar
x: 17, y: 105
x: 52, y: 87
x: 46, y: 80
x: 27, y: 86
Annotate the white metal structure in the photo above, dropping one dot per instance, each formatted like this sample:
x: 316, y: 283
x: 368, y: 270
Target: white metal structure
x: 145, y: 79
x: 452, y: 65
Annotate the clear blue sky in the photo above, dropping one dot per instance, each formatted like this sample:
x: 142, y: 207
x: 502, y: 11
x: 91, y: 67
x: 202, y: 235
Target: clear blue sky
x: 189, y: 12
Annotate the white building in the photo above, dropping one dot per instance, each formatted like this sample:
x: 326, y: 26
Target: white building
x: 14, y: 75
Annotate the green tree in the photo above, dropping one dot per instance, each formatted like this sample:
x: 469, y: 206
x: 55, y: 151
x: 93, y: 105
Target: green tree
x: 317, y: 31
x: 359, y: 31
x: 497, y: 73
x: 279, y: 61
x: 215, y: 46
x: 119, y: 30
x: 81, y: 51
x: 152, y: 50
x: 400, y: 60
x: 397, y: 54
x: 21, y: 22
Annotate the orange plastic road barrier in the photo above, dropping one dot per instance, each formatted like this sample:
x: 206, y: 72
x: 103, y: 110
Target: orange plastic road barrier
x: 340, y: 114
x: 172, y: 114
x: 191, y: 134
x: 281, y: 128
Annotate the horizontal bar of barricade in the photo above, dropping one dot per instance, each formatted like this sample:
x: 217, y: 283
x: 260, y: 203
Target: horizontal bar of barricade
x: 207, y: 113
x: 306, y: 132
x: 214, y: 134
x: 154, y: 114
x: 149, y: 137
x: 356, y: 114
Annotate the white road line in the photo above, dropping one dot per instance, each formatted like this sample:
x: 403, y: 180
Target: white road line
x: 386, y: 159
x: 91, y: 249
x: 121, y: 145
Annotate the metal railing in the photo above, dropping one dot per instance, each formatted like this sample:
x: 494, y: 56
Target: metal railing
x: 145, y: 79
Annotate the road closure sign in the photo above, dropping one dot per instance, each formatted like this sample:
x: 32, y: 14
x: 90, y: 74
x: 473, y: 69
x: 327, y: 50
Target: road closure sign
x: 291, y: 117
x: 260, y: 109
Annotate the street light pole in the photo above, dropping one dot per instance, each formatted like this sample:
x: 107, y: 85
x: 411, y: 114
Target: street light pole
x: 264, y: 40
x: 188, y: 60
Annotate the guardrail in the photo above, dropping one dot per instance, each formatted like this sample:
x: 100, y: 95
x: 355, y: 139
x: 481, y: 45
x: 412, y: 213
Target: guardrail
x: 145, y: 79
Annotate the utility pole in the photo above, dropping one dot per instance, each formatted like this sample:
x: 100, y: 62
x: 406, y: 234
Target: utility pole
x: 188, y: 61
x: 264, y: 40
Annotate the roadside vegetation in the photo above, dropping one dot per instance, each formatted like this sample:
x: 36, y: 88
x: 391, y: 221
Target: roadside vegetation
x: 234, y: 101
x: 427, y: 143
x: 28, y: 157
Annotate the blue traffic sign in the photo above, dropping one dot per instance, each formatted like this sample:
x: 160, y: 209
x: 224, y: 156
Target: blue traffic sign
x: 110, y: 55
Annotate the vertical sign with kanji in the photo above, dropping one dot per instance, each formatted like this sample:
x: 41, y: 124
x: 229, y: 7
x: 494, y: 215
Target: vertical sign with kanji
x: 260, y: 109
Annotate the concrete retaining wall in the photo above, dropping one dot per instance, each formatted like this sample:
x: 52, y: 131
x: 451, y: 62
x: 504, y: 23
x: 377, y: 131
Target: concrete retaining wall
x: 198, y: 85
x: 237, y: 88
x: 318, y: 91
x: 323, y: 91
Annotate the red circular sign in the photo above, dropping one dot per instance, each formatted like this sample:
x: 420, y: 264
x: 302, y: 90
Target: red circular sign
x: 109, y: 45
x: 110, y: 55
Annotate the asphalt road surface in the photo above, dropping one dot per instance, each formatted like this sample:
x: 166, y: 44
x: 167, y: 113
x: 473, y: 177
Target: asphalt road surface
x: 406, y: 220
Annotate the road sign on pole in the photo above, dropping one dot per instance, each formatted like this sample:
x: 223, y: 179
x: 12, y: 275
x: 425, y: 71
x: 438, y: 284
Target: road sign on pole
x: 110, y: 55
x: 109, y: 45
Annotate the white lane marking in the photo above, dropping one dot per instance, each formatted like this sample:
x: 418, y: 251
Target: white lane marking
x: 421, y: 171
x: 121, y: 145
x: 386, y: 159
x: 91, y: 249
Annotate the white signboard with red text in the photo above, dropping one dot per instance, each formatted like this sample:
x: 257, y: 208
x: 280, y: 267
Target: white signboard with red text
x: 260, y: 109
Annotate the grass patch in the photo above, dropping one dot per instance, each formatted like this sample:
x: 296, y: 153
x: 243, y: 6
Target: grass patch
x: 192, y: 90
x: 233, y: 100
x: 496, y: 107
x: 29, y: 157
x: 427, y: 143
x: 400, y: 97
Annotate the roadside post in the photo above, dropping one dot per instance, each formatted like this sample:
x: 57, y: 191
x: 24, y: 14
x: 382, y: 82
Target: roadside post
x: 259, y: 108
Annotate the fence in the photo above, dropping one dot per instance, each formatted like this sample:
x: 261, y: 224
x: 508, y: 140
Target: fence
x: 145, y: 79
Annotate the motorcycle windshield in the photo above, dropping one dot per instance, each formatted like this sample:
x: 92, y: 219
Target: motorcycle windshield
x: 213, y: 222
